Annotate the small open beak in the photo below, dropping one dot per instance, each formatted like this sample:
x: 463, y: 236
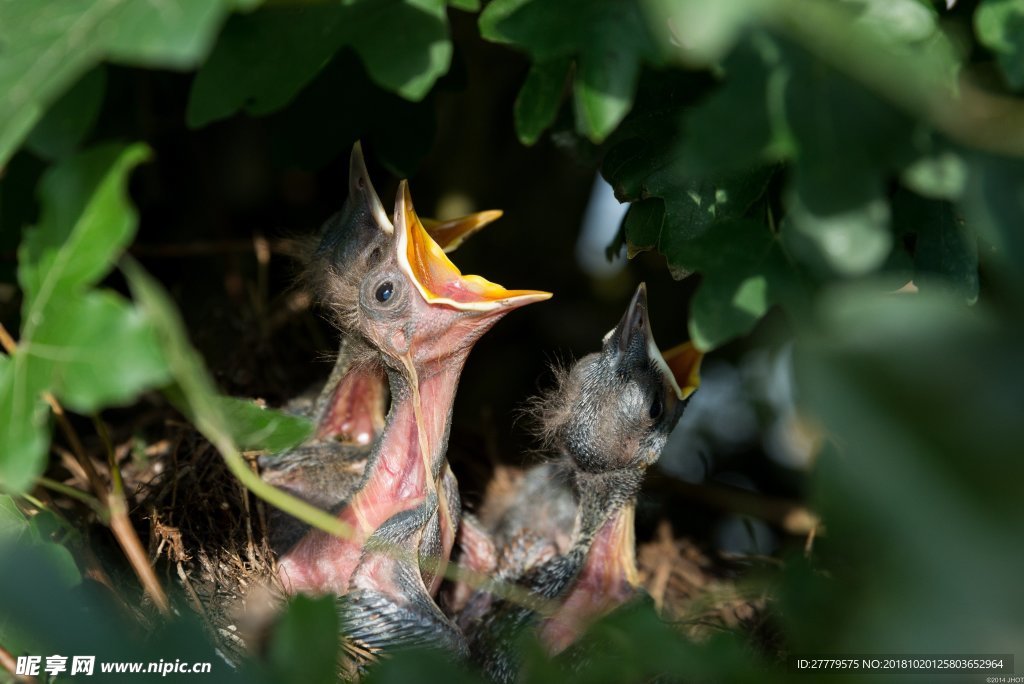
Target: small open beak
x: 438, y: 280
x: 680, y: 365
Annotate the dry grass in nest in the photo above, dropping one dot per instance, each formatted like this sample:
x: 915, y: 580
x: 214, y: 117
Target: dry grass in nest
x: 208, y: 535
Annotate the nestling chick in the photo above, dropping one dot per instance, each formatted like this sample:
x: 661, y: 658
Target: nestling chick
x: 349, y: 412
x: 608, y: 420
x: 422, y: 317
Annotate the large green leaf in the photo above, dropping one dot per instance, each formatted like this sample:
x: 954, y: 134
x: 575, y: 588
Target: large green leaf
x: 47, y: 46
x: 88, y: 348
x: 69, y: 120
x: 540, y: 99
x: 920, y: 394
x: 264, y: 59
x: 86, y: 222
x: 608, y: 41
x: 945, y: 250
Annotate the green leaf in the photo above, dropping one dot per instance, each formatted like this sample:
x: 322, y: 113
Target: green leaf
x: 847, y: 139
x: 304, y: 647
x: 993, y: 204
x: 409, y: 666
x: 264, y: 59
x: 705, y: 32
x: 540, y: 99
x: 644, y: 223
x: 412, y: 63
x: 465, y: 5
x: 608, y: 40
x: 940, y: 174
x: 71, y: 118
x: 88, y: 348
x: 96, y: 350
x: 26, y: 436
x: 86, y: 221
x: 850, y: 242
x: 999, y: 25
x: 745, y: 273
x: 13, y: 522
x: 47, y: 46
x: 943, y: 248
x: 916, y: 391
x: 258, y: 428
x: 743, y: 122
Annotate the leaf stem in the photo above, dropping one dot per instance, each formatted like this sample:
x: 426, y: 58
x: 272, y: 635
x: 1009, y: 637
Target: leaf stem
x: 72, y: 493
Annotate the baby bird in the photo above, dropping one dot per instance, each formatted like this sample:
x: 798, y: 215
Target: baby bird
x: 349, y: 412
x: 608, y: 418
x: 421, y: 317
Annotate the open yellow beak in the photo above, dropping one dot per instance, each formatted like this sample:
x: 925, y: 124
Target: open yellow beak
x: 450, y: 234
x: 437, y: 278
x: 684, y: 363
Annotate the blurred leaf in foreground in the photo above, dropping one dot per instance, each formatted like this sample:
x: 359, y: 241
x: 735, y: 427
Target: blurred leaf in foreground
x: 1000, y: 27
x: 922, y: 395
x: 89, y: 348
x: 48, y: 45
x: 304, y: 646
x: 69, y: 120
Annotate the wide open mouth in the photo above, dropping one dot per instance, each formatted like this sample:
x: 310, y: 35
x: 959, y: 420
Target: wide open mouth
x: 438, y: 280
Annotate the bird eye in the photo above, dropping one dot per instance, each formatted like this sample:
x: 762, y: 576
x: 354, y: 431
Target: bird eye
x: 656, y: 408
x: 384, y: 291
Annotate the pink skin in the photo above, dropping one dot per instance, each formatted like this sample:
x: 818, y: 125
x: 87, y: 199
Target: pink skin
x: 356, y: 412
x: 411, y: 451
x: 609, y: 579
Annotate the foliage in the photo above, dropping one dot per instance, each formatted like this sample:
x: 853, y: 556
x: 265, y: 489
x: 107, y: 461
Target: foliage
x: 807, y: 156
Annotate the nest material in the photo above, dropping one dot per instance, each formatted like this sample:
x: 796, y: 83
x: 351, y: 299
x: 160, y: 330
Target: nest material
x: 209, y: 535
x: 698, y: 593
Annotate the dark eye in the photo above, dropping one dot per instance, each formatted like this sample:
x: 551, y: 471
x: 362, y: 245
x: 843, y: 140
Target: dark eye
x: 656, y: 408
x: 384, y: 291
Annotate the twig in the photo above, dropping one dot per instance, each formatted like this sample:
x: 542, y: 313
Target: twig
x: 9, y: 345
x: 95, y: 481
x: 124, y: 531
x: 9, y: 663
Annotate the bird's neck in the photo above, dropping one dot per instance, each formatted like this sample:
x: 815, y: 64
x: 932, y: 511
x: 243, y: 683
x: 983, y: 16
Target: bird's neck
x: 418, y: 424
x: 603, y: 573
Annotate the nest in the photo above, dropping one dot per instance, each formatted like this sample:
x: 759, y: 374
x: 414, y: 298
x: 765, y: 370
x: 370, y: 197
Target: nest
x: 208, y: 535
